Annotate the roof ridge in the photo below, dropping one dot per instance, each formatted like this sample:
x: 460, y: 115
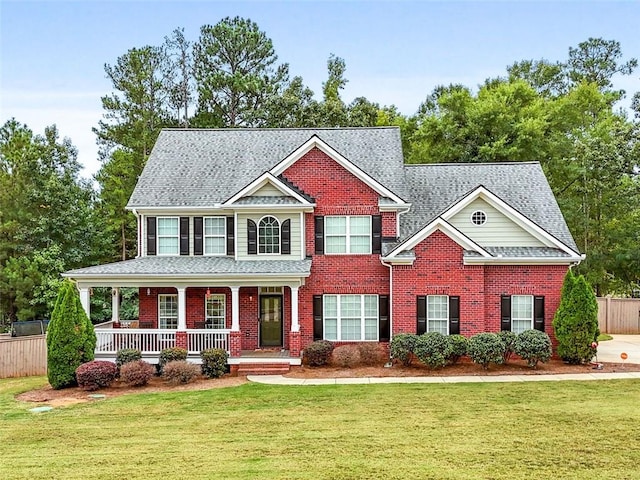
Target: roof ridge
x: 453, y: 164
x: 284, y: 129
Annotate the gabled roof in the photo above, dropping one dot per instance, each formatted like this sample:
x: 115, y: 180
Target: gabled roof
x: 436, y: 188
x: 203, y: 167
x: 289, y: 195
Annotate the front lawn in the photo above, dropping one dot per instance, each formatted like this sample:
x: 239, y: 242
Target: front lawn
x: 453, y: 431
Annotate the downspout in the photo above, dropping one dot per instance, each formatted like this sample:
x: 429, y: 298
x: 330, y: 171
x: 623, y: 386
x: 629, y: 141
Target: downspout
x: 389, y: 363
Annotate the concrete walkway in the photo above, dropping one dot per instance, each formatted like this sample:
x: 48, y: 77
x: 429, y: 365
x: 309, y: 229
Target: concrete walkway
x: 611, y: 350
x: 280, y: 380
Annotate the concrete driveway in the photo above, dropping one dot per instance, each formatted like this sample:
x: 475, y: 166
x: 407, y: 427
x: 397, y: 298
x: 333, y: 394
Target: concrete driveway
x: 610, y: 350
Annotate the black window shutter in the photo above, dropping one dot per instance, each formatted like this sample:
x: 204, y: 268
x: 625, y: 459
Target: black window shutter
x: 505, y: 313
x: 454, y: 315
x: 383, y: 320
x: 285, y: 237
x: 184, y: 235
x: 376, y: 234
x: 151, y: 235
x: 231, y: 236
x: 319, y: 221
x: 538, y: 313
x: 252, y: 238
x: 197, y: 235
x: 421, y: 326
x: 317, y: 317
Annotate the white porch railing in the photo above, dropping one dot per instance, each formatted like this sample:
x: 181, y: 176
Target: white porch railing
x: 199, y: 340
x: 153, y: 341
x: 110, y: 340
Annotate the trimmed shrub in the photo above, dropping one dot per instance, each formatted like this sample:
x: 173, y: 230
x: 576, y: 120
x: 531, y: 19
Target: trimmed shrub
x: 432, y: 349
x: 71, y: 340
x: 371, y: 353
x: 346, y: 356
x: 508, y: 339
x: 318, y: 353
x: 402, y: 346
x: 172, y: 354
x: 126, y: 355
x: 96, y: 374
x: 136, y: 373
x: 457, y: 348
x: 576, y: 320
x: 485, y: 348
x: 180, y: 371
x: 533, y: 346
x: 214, y: 362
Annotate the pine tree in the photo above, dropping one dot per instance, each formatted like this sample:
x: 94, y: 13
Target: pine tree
x: 576, y: 321
x: 71, y: 339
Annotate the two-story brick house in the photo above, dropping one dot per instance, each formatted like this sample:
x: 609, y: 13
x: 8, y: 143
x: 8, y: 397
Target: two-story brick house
x: 266, y: 239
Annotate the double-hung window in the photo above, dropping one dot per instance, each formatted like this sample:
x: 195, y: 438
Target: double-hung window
x: 350, y: 317
x: 168, y: 311
x: 215, y: 235
x: 521, y: 313
x: 168, y: 236
x: 347, y: 234
x: 215, y: 311
x: 438, y: 314
x: 269, y: 236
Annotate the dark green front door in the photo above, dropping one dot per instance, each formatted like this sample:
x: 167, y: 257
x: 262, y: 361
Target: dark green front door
x: 270, y: 321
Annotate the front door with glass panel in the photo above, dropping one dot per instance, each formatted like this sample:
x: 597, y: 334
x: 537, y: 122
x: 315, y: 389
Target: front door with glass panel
x: 270, y: 321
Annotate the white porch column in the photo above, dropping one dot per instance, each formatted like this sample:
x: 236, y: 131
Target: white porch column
x: 295, y: 324
x: 182, y: 308
x: 85, y: 300
x: 235, y: 309
x: 115, y: 304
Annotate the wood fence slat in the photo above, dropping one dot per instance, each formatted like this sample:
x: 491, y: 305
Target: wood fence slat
x: 23, y: 356
x: 619, y: 315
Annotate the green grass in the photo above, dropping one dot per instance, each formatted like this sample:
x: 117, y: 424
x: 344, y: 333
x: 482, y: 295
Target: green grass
x: 603, y: 337
x: 559, y: 430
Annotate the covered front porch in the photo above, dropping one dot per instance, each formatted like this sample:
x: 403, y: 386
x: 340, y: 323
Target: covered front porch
x: 254, y: 317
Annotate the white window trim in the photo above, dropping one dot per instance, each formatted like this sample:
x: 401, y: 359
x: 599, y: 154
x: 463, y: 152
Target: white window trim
x: 429, y: 319
x: 279, y: 236
x: 363, y: 317
x: 348, y: 234
x: 158, y: 237
x: 205, y: 236
x: 160, y: 298
x: 219, y: 296
x: 530, y: 319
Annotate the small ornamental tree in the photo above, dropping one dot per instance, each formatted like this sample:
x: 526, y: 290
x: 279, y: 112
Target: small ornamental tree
x: 576, y: 321
x: 71, y: 340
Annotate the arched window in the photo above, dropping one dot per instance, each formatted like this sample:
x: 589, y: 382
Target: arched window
x: 269, y: 235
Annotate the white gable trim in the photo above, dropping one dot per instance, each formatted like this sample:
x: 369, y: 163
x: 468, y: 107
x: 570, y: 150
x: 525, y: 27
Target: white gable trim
x: 261, y: 181
x: 516, y: 217
x: 446, y: 228
x: 316, y: 142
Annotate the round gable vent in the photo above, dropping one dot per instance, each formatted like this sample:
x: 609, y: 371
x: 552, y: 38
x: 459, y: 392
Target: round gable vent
x: 479, y: 217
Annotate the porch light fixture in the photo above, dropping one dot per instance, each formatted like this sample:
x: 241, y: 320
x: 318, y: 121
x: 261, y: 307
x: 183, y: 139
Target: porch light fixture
x: 148, y: 292
x: 208, y: 295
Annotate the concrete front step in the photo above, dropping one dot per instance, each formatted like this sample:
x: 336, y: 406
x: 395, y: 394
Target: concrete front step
x: 262, y: 368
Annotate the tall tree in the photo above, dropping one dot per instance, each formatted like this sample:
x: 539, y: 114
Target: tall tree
x: 47, y: 220
x: 236, y: 74
x: 180, y: 77
x: 333, y: 111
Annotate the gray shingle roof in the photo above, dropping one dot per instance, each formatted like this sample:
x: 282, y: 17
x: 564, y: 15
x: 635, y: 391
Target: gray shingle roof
x: 522, y: 252
x: 267, y: 201
x: 210, y: 266
x: 203, y: 167
x: 436, y: 187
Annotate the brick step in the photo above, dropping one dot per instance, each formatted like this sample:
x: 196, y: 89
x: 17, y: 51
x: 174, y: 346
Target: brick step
x: 263, y: 368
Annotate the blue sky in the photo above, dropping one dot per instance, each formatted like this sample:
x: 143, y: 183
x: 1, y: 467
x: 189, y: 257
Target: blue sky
x: 53, y: 53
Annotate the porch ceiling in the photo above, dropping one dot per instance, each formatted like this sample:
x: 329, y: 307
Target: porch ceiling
x: 159, y: 270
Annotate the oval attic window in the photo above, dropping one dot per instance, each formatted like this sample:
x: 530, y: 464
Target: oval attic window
x: 479, y: 217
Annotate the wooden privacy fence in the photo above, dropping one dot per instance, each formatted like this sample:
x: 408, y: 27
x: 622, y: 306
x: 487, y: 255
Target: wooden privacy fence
x: 619, y: 315
x: 23, y: 356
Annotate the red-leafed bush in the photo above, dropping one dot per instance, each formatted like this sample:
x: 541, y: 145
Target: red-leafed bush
x: 180, y: 371
x: 346, y: 356
x: 136, y: 373
x: 96, y: 374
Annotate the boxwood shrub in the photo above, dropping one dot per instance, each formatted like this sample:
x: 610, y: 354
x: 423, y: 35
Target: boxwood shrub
x: 432, y: 349
x: 318, y: 353
x: 96, y: 374
x: 171, y: 355
x: 457, y: 348
x: 126, y: 355
x: 485, y: 348
x: 508, y: 339
x: 214, y: 362
x: 402, y: 346
x: 533, y: 346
